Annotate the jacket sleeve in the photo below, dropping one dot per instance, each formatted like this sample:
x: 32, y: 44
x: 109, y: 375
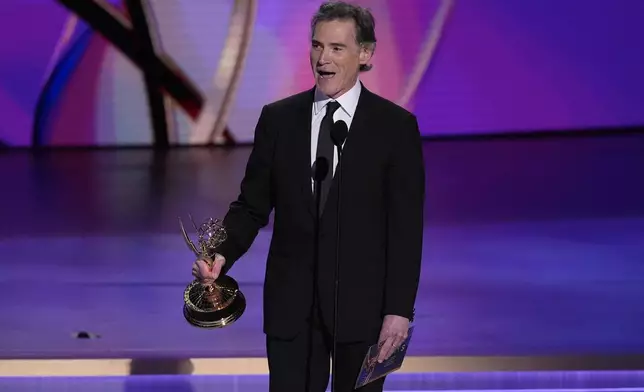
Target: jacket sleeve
x: 405, y: 190
x: 251, y: 210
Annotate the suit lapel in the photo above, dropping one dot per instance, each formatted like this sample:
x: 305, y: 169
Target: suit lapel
x: 358, y: 128
x: 302, y: 148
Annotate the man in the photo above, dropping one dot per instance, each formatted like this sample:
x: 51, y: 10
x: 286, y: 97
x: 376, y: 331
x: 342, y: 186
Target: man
x: 381, y: 214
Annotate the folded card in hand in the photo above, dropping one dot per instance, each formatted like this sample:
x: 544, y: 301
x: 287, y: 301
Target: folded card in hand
x: 372, y: 370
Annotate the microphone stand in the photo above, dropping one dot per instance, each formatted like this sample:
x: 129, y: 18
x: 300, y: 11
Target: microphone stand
x: 338, y: 135
x: 319, y: 172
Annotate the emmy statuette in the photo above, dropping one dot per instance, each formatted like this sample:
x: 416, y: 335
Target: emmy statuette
x: 217, y: 304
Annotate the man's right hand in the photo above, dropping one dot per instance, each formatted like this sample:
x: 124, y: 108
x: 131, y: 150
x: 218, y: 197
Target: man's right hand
x: 206, y: 274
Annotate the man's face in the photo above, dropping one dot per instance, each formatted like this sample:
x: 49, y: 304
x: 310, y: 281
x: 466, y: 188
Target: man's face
x: 336, y: 56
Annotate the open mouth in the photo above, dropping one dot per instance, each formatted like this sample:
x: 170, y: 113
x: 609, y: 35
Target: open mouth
x: 326, y: 74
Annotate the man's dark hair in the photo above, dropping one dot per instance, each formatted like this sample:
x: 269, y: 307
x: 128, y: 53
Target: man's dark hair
x: 364, y: 21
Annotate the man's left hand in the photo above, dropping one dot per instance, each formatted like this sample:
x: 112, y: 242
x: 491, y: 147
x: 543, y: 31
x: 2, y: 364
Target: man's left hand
x: 392, y: 334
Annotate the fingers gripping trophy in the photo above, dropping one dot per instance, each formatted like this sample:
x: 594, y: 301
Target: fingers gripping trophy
x: 211, y: 304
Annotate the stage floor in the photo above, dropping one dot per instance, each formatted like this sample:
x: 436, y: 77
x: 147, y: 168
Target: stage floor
x: 444, y: 382
x: 533, y: 247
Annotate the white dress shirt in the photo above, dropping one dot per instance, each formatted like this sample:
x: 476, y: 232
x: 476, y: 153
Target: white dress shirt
x: 348, y: 103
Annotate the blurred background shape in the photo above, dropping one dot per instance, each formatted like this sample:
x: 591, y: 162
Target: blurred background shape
x: 474, y: 67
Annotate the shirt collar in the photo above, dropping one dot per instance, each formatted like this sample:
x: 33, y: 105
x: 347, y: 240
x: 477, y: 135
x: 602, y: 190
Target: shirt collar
x: 348, y: 101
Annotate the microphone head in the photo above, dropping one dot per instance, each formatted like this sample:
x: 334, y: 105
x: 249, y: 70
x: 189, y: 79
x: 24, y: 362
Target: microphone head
x: 339, y: 132
x: 320, y: 169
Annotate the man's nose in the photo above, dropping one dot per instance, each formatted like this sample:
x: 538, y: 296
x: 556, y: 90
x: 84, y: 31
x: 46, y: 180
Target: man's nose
x: 324, y: 57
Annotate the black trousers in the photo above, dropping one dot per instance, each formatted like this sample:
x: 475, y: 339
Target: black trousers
x: 307, y: 359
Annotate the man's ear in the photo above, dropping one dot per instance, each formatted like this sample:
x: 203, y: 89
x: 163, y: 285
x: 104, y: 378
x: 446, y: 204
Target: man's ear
x: 366, y: 53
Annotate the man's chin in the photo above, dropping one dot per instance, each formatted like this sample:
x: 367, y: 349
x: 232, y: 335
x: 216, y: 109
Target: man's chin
x: 327, y: 89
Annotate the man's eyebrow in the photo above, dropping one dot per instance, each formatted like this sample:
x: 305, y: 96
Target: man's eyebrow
x: 337, y: 44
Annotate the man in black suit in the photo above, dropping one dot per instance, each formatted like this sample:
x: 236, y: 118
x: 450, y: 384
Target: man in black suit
x: 382, y: 197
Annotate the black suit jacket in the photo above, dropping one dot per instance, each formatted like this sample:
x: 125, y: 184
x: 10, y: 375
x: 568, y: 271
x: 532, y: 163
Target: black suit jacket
x: 383, y: 185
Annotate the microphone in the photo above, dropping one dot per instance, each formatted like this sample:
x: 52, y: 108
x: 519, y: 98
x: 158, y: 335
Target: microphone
x: 319, y: 171
x: 339, y: 132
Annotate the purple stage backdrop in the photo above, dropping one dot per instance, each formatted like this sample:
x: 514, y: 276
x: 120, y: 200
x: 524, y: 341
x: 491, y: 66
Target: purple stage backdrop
x: 463, y: 66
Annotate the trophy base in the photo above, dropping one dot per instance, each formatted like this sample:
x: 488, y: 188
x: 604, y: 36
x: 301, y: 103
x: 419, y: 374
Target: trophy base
x: 214, y: 306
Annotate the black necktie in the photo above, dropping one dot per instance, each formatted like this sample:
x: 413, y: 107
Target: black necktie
x: 326, y: 148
